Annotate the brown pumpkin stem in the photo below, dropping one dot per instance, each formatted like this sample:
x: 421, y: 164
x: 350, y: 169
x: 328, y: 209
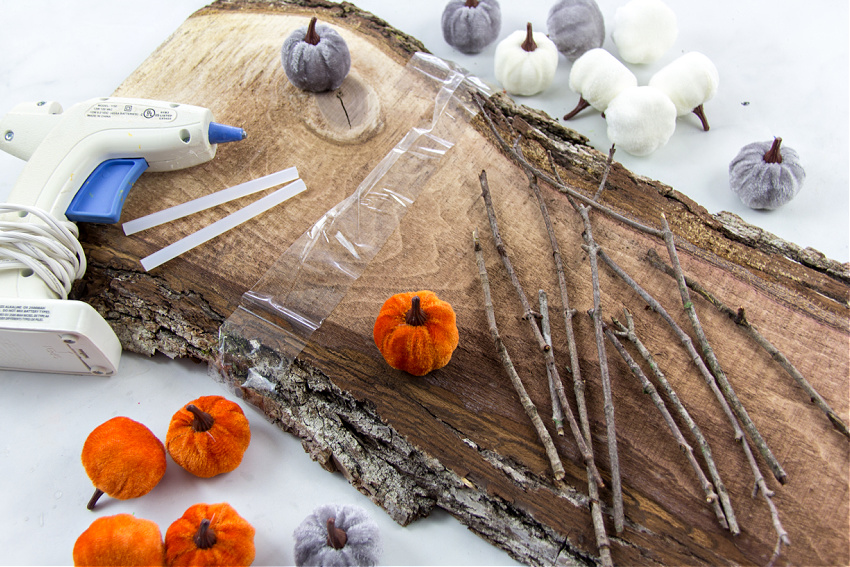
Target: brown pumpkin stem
x: 312, y: 37
x: 529, y: 44
x: 336, y: 536
x: 203, y: 421
x: 582, y: 104
x: 205, y: 538
x: 94, y: 498
x: 471, y: 3
x: 700, y: 112
x: 773, y: 155
x: 415, y: 316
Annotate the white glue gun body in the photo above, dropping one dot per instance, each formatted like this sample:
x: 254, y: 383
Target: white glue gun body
x: 81, y: 164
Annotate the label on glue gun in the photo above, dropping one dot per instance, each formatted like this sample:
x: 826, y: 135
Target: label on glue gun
x: 123, y: 110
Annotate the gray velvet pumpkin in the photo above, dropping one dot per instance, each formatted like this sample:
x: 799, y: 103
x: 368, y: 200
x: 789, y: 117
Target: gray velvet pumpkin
x: 315, y: 58
x: 576, y: 26
x: 766, y: 176
x: 337, y: 536
x: 471, y: 25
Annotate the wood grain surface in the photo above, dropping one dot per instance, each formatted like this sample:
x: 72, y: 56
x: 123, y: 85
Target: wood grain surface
x: 459, y: 438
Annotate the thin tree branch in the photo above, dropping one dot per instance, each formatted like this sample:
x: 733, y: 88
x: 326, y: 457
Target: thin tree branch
x: 527, y: 404
x: 714, y: 364
x: 648, y: 388
x: 629, y: 332
x: 529, y: 316
x: 740, y: 319
x: 557, y: 412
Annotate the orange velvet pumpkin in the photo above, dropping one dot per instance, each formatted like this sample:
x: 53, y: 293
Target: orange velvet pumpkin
x: 208, y: 436
x: 416, y: 332
x: 210, y: 534
x: 121, y: 539
x: 123, y: 459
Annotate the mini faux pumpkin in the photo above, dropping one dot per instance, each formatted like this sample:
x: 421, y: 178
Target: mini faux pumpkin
x: 471, y: 25
x: 690, y: 81
x: 316, y: 58
x: 210, y: 535
x: 598, y: 77
x: 208, y: 436
x: 766, y: 176
x: 640, y: 120
x: 644, y: 30
x: 525, y: 62
x: 123, y: 459
x: 338, y: 536
x: 122, y: 539
x: 576, y: 26
x: 416, y: 332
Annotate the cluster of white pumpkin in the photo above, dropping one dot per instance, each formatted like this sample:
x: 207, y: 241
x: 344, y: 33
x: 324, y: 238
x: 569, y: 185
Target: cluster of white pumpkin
x: 640, y: 119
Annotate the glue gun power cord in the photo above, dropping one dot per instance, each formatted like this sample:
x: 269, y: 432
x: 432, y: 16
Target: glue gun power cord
x: 50, y: 250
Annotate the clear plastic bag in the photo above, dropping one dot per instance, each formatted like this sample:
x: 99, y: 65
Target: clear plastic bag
x: 306, y: 283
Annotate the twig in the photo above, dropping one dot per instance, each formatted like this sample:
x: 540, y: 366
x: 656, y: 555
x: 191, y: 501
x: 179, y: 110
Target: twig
x: 557, y: 412
x: 529, y: 316
x: 709, y: 378
x: 560, y: 186
x: 629, y: 332
x: 527, y: 404
x: 602, y: 541
x: 714, y: 364
x: 592, y: 249
x: 648, y: 388
x: 739, y: 318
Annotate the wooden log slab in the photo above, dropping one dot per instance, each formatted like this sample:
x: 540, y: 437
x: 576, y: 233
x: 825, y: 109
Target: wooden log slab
x: 458, y: 438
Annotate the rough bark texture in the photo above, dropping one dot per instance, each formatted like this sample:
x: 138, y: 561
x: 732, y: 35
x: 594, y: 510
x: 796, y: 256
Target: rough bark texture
x: 458, y: 438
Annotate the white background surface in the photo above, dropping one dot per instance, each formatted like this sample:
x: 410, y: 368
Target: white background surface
x: 789, y: 64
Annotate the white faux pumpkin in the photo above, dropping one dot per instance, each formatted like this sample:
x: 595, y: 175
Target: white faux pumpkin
x: 689, y: 81
x: 525, y: 62
x: 598, y: 77
x: 337, y: 536
x: 640, y: 120
x: 644, y: 30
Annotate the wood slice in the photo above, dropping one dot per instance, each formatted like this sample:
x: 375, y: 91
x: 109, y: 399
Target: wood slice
x: 458, y: 438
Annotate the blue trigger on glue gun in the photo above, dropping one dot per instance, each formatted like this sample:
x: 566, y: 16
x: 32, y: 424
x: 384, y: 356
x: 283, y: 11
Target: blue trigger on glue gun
x: 102, y: 195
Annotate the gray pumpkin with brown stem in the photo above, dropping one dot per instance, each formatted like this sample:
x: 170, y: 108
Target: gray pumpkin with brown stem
x: 471, y: 25
x: 315, y: 58
x: 766, y: 176
x: 337, y: 536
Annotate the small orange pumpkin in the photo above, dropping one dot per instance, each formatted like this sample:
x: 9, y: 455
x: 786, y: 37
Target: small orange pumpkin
x: 208, y: 436
x: 123, y: 459
x: 210, y: 534
x: 121, y: 539
x: 416, y: 332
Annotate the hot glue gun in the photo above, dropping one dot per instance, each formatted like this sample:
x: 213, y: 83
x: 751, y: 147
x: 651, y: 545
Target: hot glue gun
x: 80, y: 166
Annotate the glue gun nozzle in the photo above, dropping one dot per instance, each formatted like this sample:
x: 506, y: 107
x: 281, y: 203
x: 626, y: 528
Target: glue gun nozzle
x: 221, y: 133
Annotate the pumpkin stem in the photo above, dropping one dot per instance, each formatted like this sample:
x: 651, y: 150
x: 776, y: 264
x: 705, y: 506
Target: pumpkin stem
x: 336, y: 536
x: 312, y: 37
x: 203, y: 421
x: 95, y: 497
x: 700, y: 112
x: 773, y: 155
x: 205, y: 538
x: 471, y: 3
x: 529, y: 44
x: 582, y: 104
x: 416, y: 316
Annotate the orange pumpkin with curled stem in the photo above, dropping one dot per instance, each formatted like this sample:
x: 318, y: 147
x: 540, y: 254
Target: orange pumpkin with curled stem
x: 121, y: 539
x: 208, y: 535
x: 208, y: 436
x: 123, y: 459
x: 416, y: 332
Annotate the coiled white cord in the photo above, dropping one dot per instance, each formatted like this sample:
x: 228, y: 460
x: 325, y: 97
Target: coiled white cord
x: 49, y: 250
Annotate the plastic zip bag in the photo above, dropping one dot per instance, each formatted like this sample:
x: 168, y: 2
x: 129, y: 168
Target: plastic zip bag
x: 308, y: 281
